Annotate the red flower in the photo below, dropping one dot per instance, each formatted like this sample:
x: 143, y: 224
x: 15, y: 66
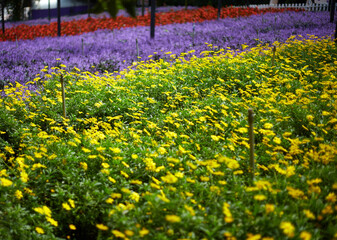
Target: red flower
x: 76, y: 27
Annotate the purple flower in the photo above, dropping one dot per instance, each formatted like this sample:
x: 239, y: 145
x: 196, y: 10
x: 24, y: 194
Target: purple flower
x: 116, y: 50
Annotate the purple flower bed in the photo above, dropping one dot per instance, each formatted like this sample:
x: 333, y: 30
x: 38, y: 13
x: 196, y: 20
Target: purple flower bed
x: 115, y: 50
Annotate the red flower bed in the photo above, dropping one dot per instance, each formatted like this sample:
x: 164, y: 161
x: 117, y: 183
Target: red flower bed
x: 76, y: 27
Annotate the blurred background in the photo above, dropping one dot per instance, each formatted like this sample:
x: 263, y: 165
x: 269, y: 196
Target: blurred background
x: 16, y: 10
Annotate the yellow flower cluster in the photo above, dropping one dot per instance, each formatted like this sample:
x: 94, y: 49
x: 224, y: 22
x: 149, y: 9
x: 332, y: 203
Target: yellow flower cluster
x: 163, y: 143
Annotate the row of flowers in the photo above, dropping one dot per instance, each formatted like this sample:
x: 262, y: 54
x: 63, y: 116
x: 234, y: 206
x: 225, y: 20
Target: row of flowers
x: 121, y: 12
x: 80, y: 26
x: 162, y: 152
x: 116, y: 50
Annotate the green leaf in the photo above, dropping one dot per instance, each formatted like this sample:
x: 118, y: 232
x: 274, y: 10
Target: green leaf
x: 97, y: 8
x: 112, y: 8
x: 130, y: 7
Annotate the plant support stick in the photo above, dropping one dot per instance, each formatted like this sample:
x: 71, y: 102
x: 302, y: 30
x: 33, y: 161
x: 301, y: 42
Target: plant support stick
x: 273, y: 59
x: 137, y: 49
x: 82, y: 47
x: 193, y: 34
x: 63, y: 97
x: 251, y: 142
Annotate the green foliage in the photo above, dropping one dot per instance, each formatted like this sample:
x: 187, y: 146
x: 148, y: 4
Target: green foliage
x: 160, y: 151
x: 113, y: 6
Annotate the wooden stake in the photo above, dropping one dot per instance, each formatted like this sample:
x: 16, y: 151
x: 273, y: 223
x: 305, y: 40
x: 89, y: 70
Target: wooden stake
x: 137, y: 48
x: 63, y: 97
x: 273, y: 59
x: 251, y: 142
x: 82, y: 47
x: 193, y: 34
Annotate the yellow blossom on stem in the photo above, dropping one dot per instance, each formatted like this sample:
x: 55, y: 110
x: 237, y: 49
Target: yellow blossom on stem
x: 18, y: 194
x: 287, y: 228
x: 5, y: 182
x: 102, y: 227
x: 118, y: 234
x: 143, y: 232
x: 331, y: 197
x: 305, y: 235
x: 39, y: 230
x: 72, y: 227
x: 172, y: 218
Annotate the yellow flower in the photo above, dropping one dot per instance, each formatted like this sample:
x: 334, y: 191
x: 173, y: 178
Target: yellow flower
x: 305, y: 235
x: 215, y: 138
x: 5, y: 182
x: 134, y: 196
x: 116, y: 195
x: 287, y: 228
x: 161, y: 150
x: 71, y: 202
x: 269, y: 208
x: 260, y: 197
x: 204, y: 179
x: 331, y: 197
x: 102, y: 227
x: 72, y: 227
x: 105, y: 165
x: 52, y: 221
x: 86, y: 150
x: 143, y: 232
x: 253, y: 236
x: 112, y: 180
x: 242, y: 130
x: 118, y: 234
x: 125, y: 174
x: 134, y: 156
x: 129, y: 233
x: 115, y: 150
x: 169, y: 178
x: 228, y: 215
x: 84, y: 165
x: 334, y: 186
x: 310, y: 118
x: 39, y: 230
x: 18, y: 194
x: 3, y: 172
x: 44, y: 210
x: 137, y: 182
x: 309, y: 214
x: 24, y: 176
x: 171, y: 134
x: 9, y: 149
x: 222, y: 182
x: 66, y: 206
x: 277, y: 140
x: 189, y: 209
x: 268, y: 125
x: 327, y: 210
x: 296, y: 193
x: 172, y: 218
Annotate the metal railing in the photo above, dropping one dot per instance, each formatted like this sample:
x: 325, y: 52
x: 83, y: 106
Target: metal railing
x: 307, y: 7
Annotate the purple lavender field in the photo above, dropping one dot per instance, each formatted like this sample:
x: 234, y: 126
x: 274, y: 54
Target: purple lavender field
x: 108, y: 50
